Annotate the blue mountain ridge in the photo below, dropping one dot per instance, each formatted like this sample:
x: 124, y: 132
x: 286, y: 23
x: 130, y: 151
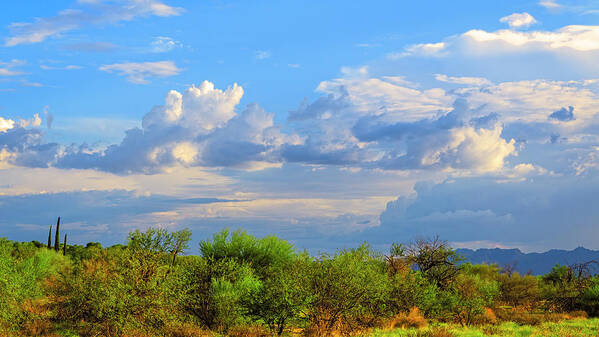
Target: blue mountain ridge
x: 535, y: 263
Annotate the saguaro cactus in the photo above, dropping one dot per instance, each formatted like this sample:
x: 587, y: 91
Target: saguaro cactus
x: 57, y: 237
x: 64, y: 245
x: 50, y: 238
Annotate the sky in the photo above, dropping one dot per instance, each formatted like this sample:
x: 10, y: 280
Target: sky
x: 326, y: 123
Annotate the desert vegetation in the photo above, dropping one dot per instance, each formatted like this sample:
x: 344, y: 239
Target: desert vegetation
x: 241, y: 285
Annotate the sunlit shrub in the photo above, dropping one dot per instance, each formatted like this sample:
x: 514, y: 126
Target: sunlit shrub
x: 349, y: 291
x: 413, y: 319
x: 24, y: 269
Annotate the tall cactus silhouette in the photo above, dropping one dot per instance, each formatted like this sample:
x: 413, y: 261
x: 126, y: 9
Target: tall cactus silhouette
x: 57, y: 237
x: 64, y: 245
x: 50, y: 238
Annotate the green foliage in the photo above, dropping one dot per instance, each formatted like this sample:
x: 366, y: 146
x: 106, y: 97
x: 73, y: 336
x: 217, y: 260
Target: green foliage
x: 350, y: 289
x: 262, y: 254
x: 280, y: 298
x: 589, y: 301
x: 114, y: 290
x: 23, y: 269
x: 563, y: 288
x: 241, y: 277
x: 519, y: 291
x: 470, y: 294
x: 410, y: 289
x: 95, y: 294
x: 484, y: 271
x: 212, y: 290
x: 240, y: 282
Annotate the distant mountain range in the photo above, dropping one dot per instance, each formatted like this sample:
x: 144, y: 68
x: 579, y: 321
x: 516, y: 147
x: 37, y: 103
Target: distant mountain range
x: 536, y: 263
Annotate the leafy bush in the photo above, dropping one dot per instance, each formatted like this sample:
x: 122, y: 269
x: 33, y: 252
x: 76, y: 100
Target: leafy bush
x: 349, y: 290
x: 410, y: 289
x: 119, y: 289
x: 94, y: 296
x: 471, y: 294
x: 242, y: 278
x: 589, y: 301
x: 571, y: 288
x: 212, y: 291
x: 281, y: 298
x: 519, y: 291
x: 23, y: 271
x: 262, y: 254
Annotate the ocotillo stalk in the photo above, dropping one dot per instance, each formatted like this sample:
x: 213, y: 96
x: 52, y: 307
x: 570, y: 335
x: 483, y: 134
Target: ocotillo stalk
x: 50, y: 238
x: 57, y: 237
x: 64, y: 245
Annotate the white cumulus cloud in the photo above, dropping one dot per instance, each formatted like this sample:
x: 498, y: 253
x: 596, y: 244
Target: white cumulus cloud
x: 201, y: 107
x: 576, y: 37
x: 6, y: 124
x: 519, y: 20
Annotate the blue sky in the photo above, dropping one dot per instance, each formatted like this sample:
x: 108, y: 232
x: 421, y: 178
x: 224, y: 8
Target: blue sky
x: 325, y: 123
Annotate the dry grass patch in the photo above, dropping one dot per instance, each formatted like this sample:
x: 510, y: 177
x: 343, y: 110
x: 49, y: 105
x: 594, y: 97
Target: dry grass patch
x: 414, y: 319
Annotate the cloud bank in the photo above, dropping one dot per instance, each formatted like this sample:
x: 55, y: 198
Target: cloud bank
x: 88, y: 13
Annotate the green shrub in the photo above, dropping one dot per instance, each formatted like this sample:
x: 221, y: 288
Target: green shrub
x: 410, y: 289
x: 470, y: 295
x: 589, y: 301
x: 23, y: 270
x: 94, y: 296
x: 349, y: 290
x: 281, y: 298
x: 562, y: 289
x: 519, y: 291
x: 118, y: 290
x: 262, y: 254
x: 242, y: 278
x: 212, y: 291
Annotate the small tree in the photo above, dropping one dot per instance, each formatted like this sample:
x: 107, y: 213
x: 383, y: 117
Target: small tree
x: 212, y: 291
x: 281, y: 297
x: 271, y: 292
x: 470, y: 295
x: 180, y: 242
x: 435, y: 259
x: 589, y: 300
x: 519, y: 291
x: 350, y: 290
x: 262, y: 254
x: 149, y: 248
x: 564, y: 286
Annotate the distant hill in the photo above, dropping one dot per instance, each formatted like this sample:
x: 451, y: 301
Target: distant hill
x: 536, y: 263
